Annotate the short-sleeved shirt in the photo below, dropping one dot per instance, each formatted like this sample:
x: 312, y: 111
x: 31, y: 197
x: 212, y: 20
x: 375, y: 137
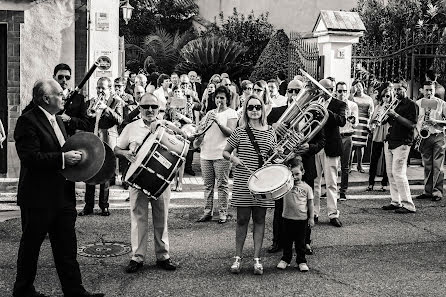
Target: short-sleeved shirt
x: 133, y: 135
x: 398, y: 133
x: 214, y: 141
x: 438, y: 114
x: 295, y: 205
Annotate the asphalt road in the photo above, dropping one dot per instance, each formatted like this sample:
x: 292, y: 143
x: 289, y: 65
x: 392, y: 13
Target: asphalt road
x: 376, y: 253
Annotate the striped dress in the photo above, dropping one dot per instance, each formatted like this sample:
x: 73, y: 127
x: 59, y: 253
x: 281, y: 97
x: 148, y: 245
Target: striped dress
x: 239, y: 139
x: 365, y: 110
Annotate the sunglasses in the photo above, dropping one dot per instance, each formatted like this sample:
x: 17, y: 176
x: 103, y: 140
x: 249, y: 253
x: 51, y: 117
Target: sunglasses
x: 152, y: 106
x: 293, y: 91
x: 252, y: 107
x: 258, y: 90
x: 60, y: 77
x: 387, y: 96
x: 342, y: 91
x: 249, y: 89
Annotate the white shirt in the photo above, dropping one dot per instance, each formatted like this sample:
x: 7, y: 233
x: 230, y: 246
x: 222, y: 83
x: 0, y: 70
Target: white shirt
x: 352, y: 110
x: 133, y: 135
x: 162, y: 101
x: 279, y: 100
x: 52, y: 118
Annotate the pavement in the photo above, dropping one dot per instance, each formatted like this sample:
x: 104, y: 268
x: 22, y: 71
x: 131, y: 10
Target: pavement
x: 375, y: 253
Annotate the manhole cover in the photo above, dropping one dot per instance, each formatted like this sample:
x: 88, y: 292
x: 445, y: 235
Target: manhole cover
x: 104, y: 249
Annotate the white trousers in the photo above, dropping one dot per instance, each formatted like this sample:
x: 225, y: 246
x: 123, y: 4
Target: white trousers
x: 329, y: 166
x: 139, y: 214
x: 396, y: 166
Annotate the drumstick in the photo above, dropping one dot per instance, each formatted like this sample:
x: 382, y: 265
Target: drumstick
x: 250, y: 171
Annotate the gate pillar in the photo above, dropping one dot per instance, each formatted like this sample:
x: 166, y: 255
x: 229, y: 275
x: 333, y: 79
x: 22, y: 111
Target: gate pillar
x: 336, y: 31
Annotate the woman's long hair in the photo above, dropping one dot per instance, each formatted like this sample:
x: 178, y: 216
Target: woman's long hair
x: 245, y: 119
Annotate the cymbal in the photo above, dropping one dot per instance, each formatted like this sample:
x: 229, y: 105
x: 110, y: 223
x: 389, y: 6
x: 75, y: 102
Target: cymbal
x: 107, y: 170
x: 93, y: 155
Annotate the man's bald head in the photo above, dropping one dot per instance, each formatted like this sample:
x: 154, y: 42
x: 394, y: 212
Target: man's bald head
x: 148, y: 98
x: 295, y: 84
x: 48, y: 93
x: 327, y: 83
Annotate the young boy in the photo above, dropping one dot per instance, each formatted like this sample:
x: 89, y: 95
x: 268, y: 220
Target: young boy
x: 297, y: 214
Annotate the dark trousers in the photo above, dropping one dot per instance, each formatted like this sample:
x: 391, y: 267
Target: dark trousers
x: 377, y: 149
x: 59, y: 224
x: 345, y: 162
x: 294, y: 231
x: 104, y: 192
x: 432, y: 151
x: 278, y: 220
x: 189, y: 159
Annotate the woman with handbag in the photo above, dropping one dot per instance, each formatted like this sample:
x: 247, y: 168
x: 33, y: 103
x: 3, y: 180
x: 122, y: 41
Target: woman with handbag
x: 254, y: 140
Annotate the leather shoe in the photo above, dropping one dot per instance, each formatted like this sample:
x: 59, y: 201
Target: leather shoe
x: 390, y: 207
x: 204, y: 218
x: 105, y: 212
x: 274, y: 248
x: 166, y: 264
x: 424, y: 196
x: 404, y: 210
x: 336, y: 222
x: 436, y: 198
x: 133, y: 266
x: 85, y: 212
x: 86, y: 294
x: 190, y: 172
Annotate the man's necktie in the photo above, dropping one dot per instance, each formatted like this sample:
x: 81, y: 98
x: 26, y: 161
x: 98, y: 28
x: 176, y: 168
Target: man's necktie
x: 58, y: 132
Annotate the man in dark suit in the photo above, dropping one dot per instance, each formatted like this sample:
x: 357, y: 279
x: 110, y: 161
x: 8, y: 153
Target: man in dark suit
x: 327, y: 160
x: 281, y: 79
x: 308, y: 152
x: 47, y: 201
x: 111, y: 116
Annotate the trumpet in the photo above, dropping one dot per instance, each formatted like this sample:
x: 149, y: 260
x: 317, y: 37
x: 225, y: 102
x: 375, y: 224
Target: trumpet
x: 382, y: 115
x: 94, y: 106
x: 304, y: 118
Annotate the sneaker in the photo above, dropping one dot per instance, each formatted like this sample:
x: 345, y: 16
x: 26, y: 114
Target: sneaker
x: 303, y: 267
x: 282, y: 265
x: 390, y: 207
x: 235, y: 268
x: 342, y: 197
x: 258, y: 267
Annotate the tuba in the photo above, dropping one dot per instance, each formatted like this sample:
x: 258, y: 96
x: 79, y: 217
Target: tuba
x: 304, y: 118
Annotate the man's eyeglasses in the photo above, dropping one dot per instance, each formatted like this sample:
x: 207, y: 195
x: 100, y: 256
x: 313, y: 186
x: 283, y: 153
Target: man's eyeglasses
x: 227, y: 85
x: 291, y: 91
x: 60, y: 77
x: 342, y: 91
x: 252, y: 107
x: 152, y: 106
x: 249, y: 89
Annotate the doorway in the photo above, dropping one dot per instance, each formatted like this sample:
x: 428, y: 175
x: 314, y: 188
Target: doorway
x: 3, y: 94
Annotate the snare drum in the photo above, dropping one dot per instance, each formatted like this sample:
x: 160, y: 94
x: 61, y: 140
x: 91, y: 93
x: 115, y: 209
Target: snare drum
x: 157, y: 161
x: 272, y: 182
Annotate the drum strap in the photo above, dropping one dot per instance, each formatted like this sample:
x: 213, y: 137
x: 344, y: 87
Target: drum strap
x: 257, y: 148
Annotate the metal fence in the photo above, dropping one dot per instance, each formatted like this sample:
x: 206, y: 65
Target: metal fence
x: 303, y: 53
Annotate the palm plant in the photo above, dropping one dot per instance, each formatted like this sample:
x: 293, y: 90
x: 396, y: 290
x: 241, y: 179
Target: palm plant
x: 159, y: 51
x: 213, y: 54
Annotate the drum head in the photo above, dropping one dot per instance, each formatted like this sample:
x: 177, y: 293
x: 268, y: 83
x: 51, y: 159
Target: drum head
x: 269, y: 178
x: 143, y: 151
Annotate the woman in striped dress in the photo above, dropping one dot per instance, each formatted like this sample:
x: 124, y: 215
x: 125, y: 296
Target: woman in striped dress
x: 254, y: 116
x: 365, y: 110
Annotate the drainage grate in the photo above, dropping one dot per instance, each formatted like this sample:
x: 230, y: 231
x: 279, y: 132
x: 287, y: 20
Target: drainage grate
x: 104, y: 249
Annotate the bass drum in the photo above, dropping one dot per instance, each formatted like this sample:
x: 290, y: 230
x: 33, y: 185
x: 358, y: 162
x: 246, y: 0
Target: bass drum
x: 157, y: 161
x: 271, y: 182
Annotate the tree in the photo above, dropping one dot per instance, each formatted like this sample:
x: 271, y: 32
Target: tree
x: 252, y: 32
x: 273, y: 59
x: 159, y: 51
x: 213, y: 54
